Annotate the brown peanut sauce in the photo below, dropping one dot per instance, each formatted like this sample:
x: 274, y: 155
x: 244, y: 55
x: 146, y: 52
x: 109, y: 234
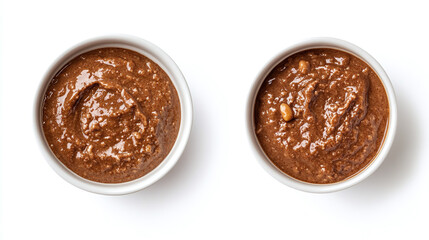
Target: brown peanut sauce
x: 111, y: 115
x: 339, y: 116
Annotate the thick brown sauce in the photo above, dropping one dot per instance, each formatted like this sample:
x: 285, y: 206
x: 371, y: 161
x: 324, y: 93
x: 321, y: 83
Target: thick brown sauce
x: 111, y: 115
x: 340, y: 115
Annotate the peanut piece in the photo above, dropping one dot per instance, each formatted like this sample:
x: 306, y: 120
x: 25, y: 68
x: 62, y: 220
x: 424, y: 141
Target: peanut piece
x: 304, y: 66
x: 286, y: 111
x: 137, y: 135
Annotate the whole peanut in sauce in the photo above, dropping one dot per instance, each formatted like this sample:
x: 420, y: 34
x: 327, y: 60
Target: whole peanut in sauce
x: 321, y: 115
x: 111, y: 115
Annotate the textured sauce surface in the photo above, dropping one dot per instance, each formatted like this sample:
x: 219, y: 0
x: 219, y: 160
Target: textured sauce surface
x: 340, y: 115
x: 111, y: 115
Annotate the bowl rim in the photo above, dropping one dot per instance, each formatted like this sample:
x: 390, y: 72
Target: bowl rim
x: 312, y: 43
x: 161, y: 58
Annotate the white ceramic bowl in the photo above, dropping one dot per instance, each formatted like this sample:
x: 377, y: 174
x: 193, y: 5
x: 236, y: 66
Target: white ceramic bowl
x: 361, y: 175
x: 165, y: 62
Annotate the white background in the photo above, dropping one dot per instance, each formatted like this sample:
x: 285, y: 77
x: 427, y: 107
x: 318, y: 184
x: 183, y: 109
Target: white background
x: 217, y: 190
